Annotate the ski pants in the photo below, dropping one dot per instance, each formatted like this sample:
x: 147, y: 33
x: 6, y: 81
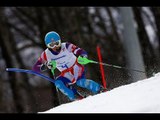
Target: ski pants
x: 85, y: 83
x: 75, y: 75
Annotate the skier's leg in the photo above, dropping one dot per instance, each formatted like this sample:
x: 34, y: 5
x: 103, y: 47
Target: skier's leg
x: 65, y: 90
x: 89, y: 84
x: 77, y: 94
x: 62, y: 83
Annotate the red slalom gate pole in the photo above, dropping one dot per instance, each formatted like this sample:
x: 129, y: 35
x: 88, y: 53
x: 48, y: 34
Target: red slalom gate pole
x: 101, y: 67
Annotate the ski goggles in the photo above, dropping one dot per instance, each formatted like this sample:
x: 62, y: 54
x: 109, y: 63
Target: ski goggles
x: 54, y: 44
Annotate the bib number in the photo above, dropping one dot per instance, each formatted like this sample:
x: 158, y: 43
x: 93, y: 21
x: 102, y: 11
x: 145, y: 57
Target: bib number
x: 64, y: 66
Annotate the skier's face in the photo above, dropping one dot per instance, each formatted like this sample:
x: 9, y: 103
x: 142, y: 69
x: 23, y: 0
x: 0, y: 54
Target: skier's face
x: 57, y: 48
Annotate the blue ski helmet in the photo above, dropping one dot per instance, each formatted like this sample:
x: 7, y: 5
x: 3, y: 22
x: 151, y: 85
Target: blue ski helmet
x: 52, y: 37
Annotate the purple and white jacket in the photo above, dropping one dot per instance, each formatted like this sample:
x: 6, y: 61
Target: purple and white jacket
x: 65, y: 59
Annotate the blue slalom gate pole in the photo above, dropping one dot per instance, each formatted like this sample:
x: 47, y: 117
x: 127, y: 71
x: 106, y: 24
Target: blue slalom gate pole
x: 30, y: 72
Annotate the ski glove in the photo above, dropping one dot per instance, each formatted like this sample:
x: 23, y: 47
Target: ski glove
x: 43, y: 67
x: 84, y: 55
x: 50, y: 65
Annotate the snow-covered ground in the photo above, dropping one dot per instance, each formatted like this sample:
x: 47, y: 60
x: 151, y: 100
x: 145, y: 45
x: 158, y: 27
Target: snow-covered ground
x: 139, y: 97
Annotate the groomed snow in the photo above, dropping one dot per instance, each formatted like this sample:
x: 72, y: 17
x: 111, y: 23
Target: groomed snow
x: 139, y: 97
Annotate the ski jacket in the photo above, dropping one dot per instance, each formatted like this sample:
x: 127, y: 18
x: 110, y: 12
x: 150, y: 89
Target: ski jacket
x: 64, y: 59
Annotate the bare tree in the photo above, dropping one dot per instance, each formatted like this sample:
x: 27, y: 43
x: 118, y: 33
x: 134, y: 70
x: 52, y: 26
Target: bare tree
x: 147, y: 48
x: 8, y: 48
x: 156, y: 13
x: 131, y: 44
x: 33, y: 24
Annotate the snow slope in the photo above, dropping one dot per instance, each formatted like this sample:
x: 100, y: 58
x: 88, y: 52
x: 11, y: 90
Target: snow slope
x: 139, y: 97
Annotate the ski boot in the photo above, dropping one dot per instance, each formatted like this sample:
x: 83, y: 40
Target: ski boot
x: 79, y: 96
x: 102, y: 89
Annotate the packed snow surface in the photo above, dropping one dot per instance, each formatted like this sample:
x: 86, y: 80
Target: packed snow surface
x: 139, y: 97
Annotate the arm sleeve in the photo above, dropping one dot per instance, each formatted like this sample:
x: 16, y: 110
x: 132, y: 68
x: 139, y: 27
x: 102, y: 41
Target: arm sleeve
x: 75, y: 49
x: 37, y: 66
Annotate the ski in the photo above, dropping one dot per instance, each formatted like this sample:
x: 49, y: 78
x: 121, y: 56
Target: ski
x: 81, y: 96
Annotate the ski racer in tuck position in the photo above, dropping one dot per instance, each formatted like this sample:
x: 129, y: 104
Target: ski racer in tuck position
x: 65, y: 56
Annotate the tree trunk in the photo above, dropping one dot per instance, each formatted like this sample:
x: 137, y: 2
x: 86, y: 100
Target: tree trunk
x: 8, y: 49
x: 131, y: 45
x: 156, y: 13
x: 147, y: 49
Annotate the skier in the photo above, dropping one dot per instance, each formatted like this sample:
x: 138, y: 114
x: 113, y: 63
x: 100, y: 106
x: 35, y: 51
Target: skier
x: 65, y: 56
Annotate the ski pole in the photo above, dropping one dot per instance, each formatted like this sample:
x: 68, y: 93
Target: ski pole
x: 53, y: 64
x: 83, y: 61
